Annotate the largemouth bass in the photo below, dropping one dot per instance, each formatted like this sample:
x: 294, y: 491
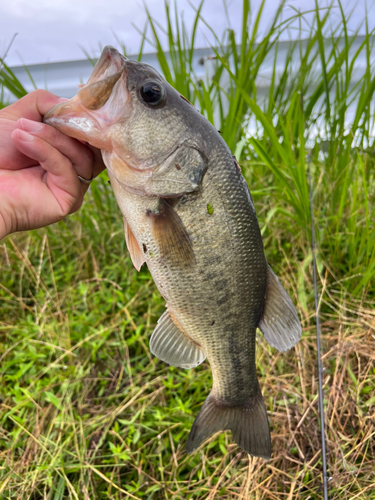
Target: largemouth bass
x: 189, y: 215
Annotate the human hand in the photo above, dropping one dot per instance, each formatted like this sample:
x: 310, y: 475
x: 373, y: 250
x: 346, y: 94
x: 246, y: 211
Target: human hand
x: 39, y: 166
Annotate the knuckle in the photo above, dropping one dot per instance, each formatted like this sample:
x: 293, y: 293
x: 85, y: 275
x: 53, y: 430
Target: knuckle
x: 46, y: 153
x: 56, y: 137
x: 41, y: 93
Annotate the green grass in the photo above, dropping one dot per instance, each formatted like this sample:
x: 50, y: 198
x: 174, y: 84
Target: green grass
x: 86, y: 411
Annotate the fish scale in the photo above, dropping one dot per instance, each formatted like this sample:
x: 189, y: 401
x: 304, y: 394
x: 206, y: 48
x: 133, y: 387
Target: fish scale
x: 189, y: 215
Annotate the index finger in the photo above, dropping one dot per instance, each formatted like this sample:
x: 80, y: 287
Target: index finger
x: 33, y: 106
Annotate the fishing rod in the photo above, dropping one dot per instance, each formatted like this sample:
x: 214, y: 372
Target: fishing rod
x: 320, y: 370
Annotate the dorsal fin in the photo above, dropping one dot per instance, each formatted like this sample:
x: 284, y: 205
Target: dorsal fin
x: 171, y: 344
x: 280, y: 323
x: 135, y: 252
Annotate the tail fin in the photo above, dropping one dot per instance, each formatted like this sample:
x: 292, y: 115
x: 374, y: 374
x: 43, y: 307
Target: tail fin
x: 248, y: 423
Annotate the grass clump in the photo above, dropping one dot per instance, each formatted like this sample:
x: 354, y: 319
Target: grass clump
x: 87, y: 412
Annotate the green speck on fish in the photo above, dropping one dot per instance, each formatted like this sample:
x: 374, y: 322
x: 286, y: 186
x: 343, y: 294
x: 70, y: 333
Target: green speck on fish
x: 210, y: 209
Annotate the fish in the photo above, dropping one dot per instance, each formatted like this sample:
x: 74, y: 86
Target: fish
x: 189, y: 215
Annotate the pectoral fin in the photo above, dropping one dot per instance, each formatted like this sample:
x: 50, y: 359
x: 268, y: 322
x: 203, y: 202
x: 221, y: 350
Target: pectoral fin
x: 170, y: 344
x: 171, y: 236
x: 135, y: 252
x: 280, y: 324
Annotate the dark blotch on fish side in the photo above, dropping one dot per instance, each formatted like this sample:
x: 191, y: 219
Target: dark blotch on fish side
x: 220, y: 284
x: 235, y: 358
x: 206, y: 276
x: 212, y: 260
x: 144, y: 248
x: 177, y: 166
x: 222, y: 300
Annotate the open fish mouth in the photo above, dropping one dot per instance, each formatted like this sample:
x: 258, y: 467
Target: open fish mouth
x: 97, y: 104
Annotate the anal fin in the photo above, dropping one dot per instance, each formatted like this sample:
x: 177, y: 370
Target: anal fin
x: 280, y: 323
x: 135, y: 252
x: 170, y: 344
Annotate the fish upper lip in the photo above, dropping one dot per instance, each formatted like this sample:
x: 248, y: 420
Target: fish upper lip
x: 109, y: 63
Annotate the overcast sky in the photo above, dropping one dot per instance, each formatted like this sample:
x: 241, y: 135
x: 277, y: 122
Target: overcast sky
x: 57, y: 30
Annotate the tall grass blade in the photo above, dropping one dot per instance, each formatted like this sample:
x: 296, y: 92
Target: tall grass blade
x: 10, y: 81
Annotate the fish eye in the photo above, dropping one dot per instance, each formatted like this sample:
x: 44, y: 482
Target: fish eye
x: 152, y: 93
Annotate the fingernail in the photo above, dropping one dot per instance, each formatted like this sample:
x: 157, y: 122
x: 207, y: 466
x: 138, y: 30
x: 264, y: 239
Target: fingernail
x: 63, y: 99
x: 24, y: 136
x: 30, y: 125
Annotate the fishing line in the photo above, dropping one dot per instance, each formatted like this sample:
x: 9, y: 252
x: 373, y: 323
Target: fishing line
x: 321, y: 406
